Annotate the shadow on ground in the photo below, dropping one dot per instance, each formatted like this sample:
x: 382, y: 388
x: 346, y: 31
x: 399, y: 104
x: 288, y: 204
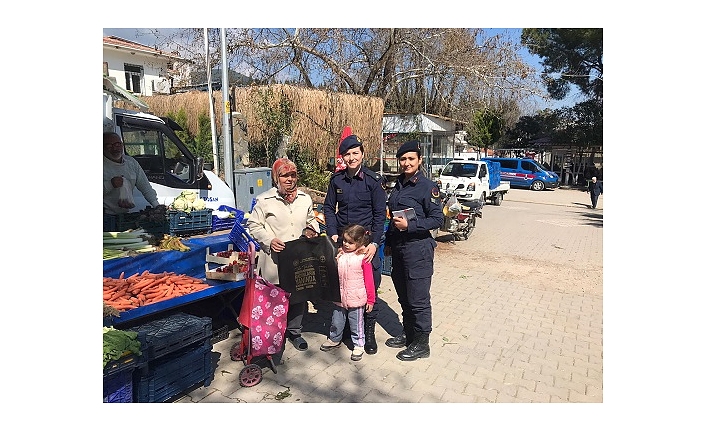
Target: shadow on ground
x: 593, y: 219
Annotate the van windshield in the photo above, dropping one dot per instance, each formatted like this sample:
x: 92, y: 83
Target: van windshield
x: 460, y: 170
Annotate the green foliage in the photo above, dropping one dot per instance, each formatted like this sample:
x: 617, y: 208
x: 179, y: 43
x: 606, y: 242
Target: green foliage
x: 487, y: 127
x: 569, y: 56
x: 529, y: 128
x: 199, y: 145
x: 203, y: 144
x: 581, y: 124
x: 310, y: 173
x: 275, y: 114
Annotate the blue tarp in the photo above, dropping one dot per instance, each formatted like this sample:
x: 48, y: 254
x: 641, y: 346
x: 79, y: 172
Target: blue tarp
x: 189, y: 263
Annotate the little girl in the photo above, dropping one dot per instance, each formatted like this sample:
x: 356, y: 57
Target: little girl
x: 355, y: 277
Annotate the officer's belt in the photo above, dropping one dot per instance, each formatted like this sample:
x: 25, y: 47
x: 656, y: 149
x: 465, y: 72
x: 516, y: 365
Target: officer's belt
x: 404, y: 236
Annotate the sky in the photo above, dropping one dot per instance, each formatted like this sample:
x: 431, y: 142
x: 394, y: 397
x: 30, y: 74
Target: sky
x: 533, y: 60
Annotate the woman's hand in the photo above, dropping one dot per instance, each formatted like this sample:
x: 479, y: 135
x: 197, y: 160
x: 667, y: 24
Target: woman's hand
x: 368, y: 308
x: 276, y: 245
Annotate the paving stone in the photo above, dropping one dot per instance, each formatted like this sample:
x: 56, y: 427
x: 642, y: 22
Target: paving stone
x: 521, y: 322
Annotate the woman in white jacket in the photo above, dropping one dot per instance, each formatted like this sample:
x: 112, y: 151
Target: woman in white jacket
x: 281, y: 214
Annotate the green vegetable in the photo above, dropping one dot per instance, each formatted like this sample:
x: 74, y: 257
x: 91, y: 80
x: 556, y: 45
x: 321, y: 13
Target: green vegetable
x: 116, y: 342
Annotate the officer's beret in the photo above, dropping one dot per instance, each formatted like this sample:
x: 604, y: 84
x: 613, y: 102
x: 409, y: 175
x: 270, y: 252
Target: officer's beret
x: 351, y: 141
x: 407, y: 147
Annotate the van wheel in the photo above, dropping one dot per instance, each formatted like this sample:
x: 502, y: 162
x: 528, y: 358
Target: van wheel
x: 498, y: 199
x: 537, y: 186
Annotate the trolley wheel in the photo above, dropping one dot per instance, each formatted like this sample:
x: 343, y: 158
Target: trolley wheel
x: 250, y: 375
x: 235, y: 354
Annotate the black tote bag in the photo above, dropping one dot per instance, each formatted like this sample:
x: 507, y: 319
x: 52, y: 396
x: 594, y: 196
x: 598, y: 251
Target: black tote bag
x: 308, y: 270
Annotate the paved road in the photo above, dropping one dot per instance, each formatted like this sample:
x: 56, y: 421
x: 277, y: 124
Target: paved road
x: 517, y: 312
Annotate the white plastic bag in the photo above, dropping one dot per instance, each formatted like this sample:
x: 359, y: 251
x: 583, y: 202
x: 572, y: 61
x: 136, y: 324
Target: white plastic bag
x: 125, y: 199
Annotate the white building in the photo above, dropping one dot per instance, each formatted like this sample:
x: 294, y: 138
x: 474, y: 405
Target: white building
x: 441, y: 138
x: 143, y: 70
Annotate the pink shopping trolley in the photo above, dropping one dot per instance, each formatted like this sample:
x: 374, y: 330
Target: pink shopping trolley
x: 263, y: 321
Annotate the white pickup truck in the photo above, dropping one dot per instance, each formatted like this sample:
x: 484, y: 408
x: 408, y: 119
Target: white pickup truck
x: 474, y: 179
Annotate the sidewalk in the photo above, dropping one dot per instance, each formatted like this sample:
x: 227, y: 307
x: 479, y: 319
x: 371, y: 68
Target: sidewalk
x: 517, y: 312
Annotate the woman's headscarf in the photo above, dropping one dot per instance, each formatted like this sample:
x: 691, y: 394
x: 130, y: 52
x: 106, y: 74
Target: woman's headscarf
x: 280, y: 167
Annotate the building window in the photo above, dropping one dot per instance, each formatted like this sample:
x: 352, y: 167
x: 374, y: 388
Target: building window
x: 133, y: 77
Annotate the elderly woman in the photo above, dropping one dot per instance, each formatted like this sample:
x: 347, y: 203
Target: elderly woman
x: 281, y: 214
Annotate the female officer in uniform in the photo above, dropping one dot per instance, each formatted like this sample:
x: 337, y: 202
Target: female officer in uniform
x: 412, y: 249
x: 356, y: 195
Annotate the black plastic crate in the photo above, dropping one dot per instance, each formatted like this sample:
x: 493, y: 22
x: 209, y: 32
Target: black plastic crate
x: 163, y: 336
x: 126, y: 362
x: 191, y: 223
x: 123, y: 222
x: 220, y: 334
x: 119, y: 222
x: 117, y: 388
x: 173, y: 374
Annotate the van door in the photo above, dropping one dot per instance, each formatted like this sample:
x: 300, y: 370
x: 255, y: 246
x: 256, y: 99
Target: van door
x: 169, y: 165
x: 529, y: 171
x: 509, y: 172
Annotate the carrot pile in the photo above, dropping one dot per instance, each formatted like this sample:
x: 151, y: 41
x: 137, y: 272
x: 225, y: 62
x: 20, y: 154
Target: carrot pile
x: 147, y: 288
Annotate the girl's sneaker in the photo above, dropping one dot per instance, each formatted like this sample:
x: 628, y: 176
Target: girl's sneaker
x: 328, y: 345
x: 357, y: 354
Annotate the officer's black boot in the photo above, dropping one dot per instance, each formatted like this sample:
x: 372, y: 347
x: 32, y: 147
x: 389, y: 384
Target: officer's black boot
x: 418, y: 349
x: 371, y: 346
x: 402, y: 340
x: 397, y: 342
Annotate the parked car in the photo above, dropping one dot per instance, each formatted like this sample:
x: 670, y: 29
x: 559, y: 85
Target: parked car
x: 525, y: 173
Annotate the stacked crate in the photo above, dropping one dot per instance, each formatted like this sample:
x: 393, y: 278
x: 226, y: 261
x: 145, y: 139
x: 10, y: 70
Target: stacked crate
x: 194, y: 222
x: 117, y: 379
x: 176, y: 355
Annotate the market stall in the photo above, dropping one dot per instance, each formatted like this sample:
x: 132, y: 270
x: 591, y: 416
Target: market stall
x: 189, y: 263
x: 184, y: 341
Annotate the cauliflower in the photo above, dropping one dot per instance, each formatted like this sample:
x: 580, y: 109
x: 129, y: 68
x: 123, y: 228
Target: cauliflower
x: 181, y: 204
x: 199, y: 204
x: 189, y: 195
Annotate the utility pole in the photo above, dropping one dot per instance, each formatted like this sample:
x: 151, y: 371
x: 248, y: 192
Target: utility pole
x: 212, y: 113
x: 226, y: 133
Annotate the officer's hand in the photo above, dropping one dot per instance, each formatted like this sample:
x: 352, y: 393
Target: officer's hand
x: 334, y: 238
x: 400, y: 223
x: 369, y: 251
